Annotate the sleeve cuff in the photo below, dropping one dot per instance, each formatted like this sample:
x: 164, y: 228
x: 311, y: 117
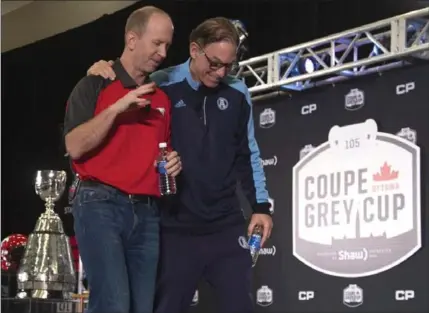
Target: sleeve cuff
x: 262, y: 208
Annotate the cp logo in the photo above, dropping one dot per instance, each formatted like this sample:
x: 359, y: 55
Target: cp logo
x: 404, y: 295
x: 308, y: 109
x: 405, y: 88
x: 305, y: 295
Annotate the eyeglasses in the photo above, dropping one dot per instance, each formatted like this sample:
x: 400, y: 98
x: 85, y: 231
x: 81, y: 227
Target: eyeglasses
x: 216, y: 65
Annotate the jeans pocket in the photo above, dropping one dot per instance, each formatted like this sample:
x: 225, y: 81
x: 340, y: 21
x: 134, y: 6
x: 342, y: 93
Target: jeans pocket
x: 90, y: 195
x: 91, y: 205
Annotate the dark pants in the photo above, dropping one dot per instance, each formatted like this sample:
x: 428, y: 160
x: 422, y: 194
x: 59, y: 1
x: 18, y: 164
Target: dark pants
x: 118, y: 240
x: 218, y: 258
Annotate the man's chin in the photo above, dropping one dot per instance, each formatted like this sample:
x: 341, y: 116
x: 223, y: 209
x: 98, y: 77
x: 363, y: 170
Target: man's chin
x: 151, y: 68
x: 211, y: 83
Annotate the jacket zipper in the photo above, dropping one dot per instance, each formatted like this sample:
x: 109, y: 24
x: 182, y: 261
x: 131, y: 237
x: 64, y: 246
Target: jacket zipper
x: 204, y: 111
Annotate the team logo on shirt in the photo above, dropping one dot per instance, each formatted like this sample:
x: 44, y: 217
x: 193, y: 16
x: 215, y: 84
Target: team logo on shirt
x: 222, y: 103
x: 161, y: 110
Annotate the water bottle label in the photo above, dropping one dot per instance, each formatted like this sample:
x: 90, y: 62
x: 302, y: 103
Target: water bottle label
x: 161, y: 167
x: 255, y: 241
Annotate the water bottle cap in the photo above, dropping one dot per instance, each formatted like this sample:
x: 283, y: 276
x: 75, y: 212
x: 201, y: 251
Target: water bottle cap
x: 163, y: 145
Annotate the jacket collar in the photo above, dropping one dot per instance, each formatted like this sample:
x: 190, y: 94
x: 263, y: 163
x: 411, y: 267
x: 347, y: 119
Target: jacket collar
x: 184, y: 68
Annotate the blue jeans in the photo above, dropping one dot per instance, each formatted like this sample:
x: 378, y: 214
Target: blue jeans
x: 118, y: 241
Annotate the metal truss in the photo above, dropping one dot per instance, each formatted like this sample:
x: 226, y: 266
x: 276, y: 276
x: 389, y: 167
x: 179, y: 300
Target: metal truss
x: 363, y: 50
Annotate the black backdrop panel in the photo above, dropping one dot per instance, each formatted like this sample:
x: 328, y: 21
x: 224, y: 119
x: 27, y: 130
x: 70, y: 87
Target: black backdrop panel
x: 33, y: 114
x: 395, y: 100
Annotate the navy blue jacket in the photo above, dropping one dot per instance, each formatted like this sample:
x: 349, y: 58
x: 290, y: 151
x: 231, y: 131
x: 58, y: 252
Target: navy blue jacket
x: 213, y: 132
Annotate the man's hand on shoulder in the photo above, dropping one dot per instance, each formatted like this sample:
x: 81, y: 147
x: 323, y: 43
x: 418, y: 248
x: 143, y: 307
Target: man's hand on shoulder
x: 102, y: 68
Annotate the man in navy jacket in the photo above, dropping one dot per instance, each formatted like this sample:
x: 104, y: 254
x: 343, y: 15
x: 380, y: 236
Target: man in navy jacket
x: 213, y: 132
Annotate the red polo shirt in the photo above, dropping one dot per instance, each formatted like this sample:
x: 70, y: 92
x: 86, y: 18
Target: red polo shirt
x: 125, y: 159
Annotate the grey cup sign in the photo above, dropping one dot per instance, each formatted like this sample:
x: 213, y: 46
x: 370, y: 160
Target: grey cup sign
x: 356, y: 202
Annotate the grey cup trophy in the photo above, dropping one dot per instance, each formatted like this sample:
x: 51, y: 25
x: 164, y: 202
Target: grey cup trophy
x: 46, y: 270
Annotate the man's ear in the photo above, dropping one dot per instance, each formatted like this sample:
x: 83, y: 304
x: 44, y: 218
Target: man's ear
x: 130, y: 40
x: 194, y: 50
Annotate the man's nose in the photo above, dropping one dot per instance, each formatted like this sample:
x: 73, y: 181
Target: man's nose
x: 221, y: 72
x: 162, y: 51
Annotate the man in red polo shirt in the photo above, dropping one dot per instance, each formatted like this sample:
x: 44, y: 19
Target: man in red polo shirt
x: 112, y: 133
x: 213, y: 130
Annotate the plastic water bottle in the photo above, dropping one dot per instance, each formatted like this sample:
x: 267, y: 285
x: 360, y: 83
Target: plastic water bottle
x: 255, y: 244
x: 167, y: 183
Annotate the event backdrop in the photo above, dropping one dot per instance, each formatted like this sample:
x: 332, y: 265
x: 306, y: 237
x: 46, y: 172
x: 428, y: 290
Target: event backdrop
x: 34, y: 106
x: 358, y: 243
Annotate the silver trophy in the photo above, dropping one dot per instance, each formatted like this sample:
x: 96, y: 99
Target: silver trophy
x: 47, y: 270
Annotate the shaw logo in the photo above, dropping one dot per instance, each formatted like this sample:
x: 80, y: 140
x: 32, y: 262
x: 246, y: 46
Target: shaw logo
x: 264, y: 251
x: 360, y: 215
x: 347, y: 255
x: 268, y: 251
x: 269, y: 162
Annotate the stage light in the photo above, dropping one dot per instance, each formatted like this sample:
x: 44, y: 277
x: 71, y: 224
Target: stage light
x: 292, y: 65
x: 309, y: 66
x: 419, y: 35
x: 243, y: 46
x: 297, y: 65
x: 416, y: 33
x: 241, y: 30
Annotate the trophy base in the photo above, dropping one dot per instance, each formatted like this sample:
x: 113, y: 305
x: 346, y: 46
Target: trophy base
x: 13, y: 305
x: 47, y: 285
x: 44, y: 294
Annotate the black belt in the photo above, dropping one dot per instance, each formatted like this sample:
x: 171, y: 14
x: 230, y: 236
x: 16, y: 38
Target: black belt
x: 132, y: 197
